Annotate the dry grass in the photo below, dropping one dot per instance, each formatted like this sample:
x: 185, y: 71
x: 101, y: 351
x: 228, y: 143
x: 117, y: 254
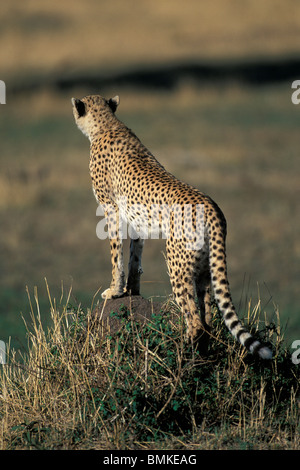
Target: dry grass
x: 143, y: 388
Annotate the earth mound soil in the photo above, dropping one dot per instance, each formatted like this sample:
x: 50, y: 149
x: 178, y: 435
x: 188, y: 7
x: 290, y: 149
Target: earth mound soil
x: 141, y: 310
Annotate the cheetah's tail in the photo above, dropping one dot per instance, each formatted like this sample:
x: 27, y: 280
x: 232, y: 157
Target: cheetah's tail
x: 223, y: 298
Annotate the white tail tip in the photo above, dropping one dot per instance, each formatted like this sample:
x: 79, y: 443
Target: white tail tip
x: 265, y: 353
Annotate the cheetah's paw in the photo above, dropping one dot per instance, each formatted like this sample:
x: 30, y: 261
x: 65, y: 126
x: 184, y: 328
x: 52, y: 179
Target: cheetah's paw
x: 112, y: 294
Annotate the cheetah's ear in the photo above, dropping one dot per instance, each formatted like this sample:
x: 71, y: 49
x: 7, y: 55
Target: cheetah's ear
x: 114, y: 103
x: 80, y: 107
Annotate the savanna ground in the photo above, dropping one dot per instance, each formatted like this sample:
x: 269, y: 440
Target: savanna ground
x: 237, y: 143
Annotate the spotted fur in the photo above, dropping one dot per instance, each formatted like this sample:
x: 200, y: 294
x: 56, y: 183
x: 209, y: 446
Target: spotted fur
x: 121, y: 167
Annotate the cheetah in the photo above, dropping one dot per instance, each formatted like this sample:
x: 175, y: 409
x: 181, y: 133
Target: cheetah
x: 123, y: 169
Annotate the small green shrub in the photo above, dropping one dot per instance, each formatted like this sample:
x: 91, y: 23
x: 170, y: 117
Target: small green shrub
x: 159, y: 385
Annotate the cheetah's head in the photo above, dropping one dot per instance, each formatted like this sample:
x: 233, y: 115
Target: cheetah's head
x: 93, y: 113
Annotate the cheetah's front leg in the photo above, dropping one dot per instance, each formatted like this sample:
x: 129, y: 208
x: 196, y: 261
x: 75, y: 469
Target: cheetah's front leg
x: 117, y: 285
x: 135, y: 266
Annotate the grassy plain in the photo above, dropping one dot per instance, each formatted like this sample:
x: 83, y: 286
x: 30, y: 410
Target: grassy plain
x: 62, y: 38
x: 239, y: 144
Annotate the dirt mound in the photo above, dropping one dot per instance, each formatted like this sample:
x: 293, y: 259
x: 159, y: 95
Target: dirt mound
x: 141, y: 309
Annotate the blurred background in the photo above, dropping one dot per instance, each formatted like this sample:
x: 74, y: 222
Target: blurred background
x: 207, y: 88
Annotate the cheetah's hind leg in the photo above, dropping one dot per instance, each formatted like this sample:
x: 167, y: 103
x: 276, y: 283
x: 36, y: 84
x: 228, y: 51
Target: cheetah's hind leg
x: 203, y: 289
x: 181, y: 270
